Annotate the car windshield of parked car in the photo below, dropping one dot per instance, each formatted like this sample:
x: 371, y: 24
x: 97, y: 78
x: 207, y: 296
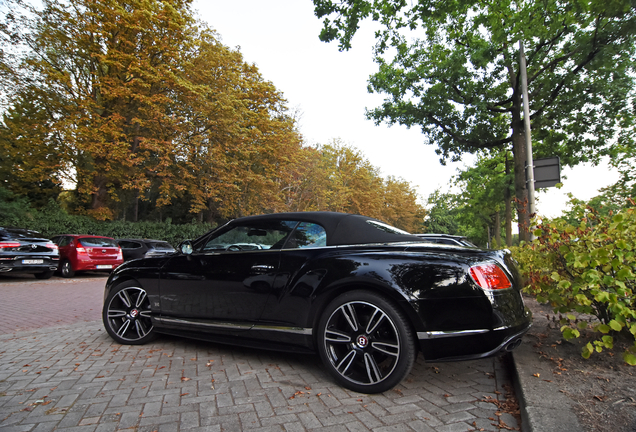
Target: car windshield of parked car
x: 98, y: 242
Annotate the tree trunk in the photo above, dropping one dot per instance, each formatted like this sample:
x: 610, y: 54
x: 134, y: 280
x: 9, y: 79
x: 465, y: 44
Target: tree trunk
x: 507, y: 199
x: 498, y: 229
x: 100, y: 195
x: 136, y: 207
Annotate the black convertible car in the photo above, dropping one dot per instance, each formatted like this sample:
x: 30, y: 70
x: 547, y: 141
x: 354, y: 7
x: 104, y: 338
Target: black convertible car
x: 364, y: 295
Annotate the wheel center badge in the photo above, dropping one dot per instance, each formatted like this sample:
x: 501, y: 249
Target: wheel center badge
x: 134, y: 313
x: 362, y: 341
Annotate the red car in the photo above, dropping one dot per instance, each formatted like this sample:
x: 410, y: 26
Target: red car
x: 87, y: 252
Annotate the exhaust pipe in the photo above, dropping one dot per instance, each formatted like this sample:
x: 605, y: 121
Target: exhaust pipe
x: 512, y: 345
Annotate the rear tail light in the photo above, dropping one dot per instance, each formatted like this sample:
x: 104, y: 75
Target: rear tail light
x: 120, y: 255
x: 7, y: 245
x: 79, y: 248
x: 490, y: 277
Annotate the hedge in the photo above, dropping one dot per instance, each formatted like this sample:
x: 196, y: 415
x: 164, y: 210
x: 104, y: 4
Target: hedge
x: 588, y: 268
x: 52, y: 220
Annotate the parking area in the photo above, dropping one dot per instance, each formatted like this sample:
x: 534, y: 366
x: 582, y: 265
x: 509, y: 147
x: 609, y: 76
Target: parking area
x: 60, y: 371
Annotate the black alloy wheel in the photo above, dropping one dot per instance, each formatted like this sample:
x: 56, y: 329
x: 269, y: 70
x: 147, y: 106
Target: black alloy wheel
x: 67, y: 269
x: 126, y: 315
x: 366, y: 342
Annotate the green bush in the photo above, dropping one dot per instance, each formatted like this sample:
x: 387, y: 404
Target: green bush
x: 588, y: 268
x: 52, y: 220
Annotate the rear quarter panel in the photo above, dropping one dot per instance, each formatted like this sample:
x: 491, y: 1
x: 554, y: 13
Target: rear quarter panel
x: 433, y: 289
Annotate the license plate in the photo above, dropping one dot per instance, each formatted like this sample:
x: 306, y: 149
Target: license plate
x: 103, y: 266
x: 33, y: 261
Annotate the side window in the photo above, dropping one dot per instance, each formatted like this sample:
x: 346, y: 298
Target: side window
x: 307, y: 235
x: 258, y: 236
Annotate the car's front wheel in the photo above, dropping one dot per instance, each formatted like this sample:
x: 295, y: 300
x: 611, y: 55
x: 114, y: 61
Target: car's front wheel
x: 366, y: 342
x: 126, y: 315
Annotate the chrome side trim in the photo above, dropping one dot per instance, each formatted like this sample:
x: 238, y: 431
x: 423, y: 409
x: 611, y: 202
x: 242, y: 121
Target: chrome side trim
x: 235, y: 326
x: 295, y: 330
x: 219, y: 325
x: 453, y: 333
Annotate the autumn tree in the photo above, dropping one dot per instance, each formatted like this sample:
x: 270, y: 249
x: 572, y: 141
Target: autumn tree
x: 351, y: 184
x: 353, y: 181
x: 307, y: 187
x: 239, y: 144
x: 147, y: 111
x: 452, y: 68
x: 103, y: 73
x: 32, y: 172
x: 401, y: 207
x: 136, y: 101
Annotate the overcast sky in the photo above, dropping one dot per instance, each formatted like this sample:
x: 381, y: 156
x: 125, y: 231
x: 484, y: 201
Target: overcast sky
x: 329, y: 88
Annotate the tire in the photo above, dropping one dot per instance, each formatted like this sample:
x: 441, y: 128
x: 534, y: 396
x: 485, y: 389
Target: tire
x: 365, y: 342
x: 44, y: 275
x: 126, y: 315
x: 67, y: 269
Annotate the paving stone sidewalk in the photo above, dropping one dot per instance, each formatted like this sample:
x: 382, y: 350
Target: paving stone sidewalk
x: 75, y: 378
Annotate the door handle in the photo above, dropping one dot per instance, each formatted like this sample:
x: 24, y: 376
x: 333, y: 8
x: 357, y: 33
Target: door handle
x: 262, y: 268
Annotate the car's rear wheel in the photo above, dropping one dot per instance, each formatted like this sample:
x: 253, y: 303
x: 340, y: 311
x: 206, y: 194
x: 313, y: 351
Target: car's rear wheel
x: 126, y: 315
x: 44, y: 275
x: 67, y: 269
x: 365, y: 342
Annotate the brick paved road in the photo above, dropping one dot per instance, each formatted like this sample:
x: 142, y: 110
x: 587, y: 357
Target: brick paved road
x: 73, y: 377
x: 27, y: 303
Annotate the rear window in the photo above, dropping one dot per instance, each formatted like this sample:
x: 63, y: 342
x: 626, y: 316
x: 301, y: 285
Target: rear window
x: 9, y: 233
x: 98, y: 242
x: 129, y: 244
x: 165, y: 246
x: 386, y: 227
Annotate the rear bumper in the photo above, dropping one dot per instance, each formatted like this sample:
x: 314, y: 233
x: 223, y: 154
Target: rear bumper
x: 18, y: 265
x: 473, y: 344
x: 95, y: 265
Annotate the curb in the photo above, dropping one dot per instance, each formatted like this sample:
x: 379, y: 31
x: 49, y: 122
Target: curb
x: 543, y: 406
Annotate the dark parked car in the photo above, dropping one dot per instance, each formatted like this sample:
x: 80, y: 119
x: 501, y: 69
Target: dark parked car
x: 366, y: 296
x: 87, y: 252
x: 144, y: 248
x: 26, y: 251
x: 447, y: 239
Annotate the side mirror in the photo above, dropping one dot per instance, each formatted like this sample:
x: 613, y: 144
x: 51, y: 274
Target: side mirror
x: 185, y: 247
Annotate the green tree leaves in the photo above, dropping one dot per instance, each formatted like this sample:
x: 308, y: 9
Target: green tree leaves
x: 589, y: 268
x: 452, y: 68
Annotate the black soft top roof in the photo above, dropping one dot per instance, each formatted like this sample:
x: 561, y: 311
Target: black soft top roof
x: 341, y: 228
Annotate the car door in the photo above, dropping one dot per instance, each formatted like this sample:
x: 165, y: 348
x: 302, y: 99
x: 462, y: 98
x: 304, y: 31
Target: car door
x: 63, y: 247
x: 224, y: 284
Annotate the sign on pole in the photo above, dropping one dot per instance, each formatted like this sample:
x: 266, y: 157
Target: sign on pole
x: 547, y: 172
